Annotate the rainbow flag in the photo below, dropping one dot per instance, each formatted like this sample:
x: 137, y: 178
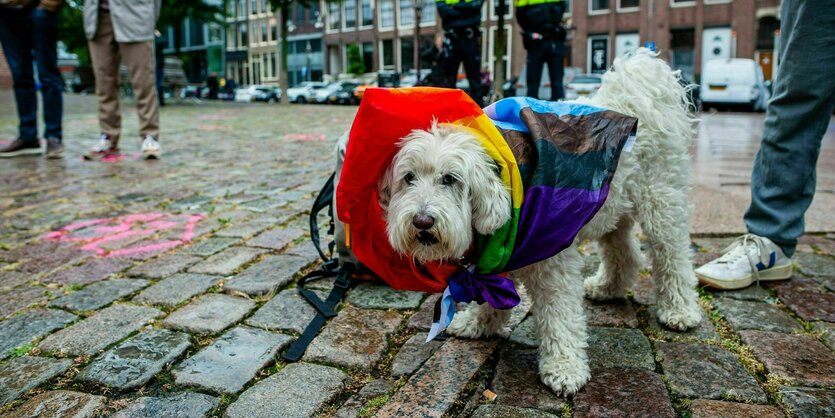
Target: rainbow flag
x: 557, y: 159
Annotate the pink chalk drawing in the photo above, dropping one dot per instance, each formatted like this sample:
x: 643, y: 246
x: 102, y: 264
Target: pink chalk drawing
x: 98, y: 232
x: 117, y: 157
x: 305, y: 137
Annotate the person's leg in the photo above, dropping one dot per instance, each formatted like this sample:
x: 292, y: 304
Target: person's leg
x: 139, y: 58
x: 783, y: 179
x: 534, y: 69
x: 472, y: 67
x: 104, y: 54
x: 45, y: 25
x: 555, y: 70
x: 450, y: 61
x: 16, y: 37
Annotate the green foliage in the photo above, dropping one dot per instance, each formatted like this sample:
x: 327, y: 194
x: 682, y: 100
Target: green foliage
x: 71, y: 31
x: 355, y: 64
x: 21, y: 350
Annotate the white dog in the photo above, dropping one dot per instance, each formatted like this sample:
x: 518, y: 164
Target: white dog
x: 442, y: 185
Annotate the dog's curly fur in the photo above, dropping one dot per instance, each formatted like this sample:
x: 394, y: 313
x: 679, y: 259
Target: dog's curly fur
x: 445, y: 174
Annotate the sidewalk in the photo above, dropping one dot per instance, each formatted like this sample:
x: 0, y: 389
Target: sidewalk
x: 144, y: 289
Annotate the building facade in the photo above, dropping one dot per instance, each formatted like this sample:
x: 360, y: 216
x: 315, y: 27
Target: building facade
x: 199, y: 45
x: 687, y: 33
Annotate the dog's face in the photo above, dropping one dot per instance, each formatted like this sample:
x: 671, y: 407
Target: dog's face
x: 440, y: 186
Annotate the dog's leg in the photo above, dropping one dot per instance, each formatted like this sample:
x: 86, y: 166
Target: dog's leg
x: 621, y: 262
x: 478, y: 321
x: 663, y: 213
x: 556, y: 289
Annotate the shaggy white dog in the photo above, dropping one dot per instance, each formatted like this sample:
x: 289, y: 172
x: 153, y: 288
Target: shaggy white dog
x: 442, y: 185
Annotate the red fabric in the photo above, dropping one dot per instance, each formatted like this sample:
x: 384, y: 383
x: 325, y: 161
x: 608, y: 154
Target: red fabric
x: 384, y: 117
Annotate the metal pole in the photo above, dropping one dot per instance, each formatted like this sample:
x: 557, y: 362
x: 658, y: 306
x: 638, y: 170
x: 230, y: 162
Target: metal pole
x: 417, y: 4
x: 499, y: 50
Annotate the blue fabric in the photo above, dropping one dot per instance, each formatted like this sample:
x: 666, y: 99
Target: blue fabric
x: 31, y: 35
x: 505, y: 113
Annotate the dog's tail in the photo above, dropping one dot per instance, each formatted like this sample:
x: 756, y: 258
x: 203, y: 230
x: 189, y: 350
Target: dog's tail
x: 644, y: 86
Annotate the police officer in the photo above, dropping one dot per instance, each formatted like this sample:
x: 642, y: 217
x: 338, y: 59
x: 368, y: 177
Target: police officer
x: 461, y: 20
x: 544, y: 38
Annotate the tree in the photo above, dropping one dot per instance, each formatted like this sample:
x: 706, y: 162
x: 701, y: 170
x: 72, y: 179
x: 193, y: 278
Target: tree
x: 355, y: 64
x: 174, y: 12
x: 71, y: 31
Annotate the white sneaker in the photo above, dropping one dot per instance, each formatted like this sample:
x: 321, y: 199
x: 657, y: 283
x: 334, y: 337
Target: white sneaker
x: 104, y: 147
x: 748, y: 259
x: 151, y: 149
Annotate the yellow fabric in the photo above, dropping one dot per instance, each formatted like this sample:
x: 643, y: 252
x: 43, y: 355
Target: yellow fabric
x: 523, y: 3
x: 452, y: 2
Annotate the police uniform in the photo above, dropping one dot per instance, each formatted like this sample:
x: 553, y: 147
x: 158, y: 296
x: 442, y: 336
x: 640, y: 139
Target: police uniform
x: 544, y: 39
x: 461, y: 20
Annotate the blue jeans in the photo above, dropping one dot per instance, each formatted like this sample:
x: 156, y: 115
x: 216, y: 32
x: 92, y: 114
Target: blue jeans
x: 31, y: 35
x: 783, y: 180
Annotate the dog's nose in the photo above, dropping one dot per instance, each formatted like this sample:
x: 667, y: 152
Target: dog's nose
x: 423, y: 222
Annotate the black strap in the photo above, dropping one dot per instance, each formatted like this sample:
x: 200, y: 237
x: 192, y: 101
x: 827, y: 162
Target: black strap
x: 323, y: 200
x: 324, y: 309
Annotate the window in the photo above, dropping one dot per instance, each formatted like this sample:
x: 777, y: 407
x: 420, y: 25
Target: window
x: 427, y: 12
x: 242, y: 8
x: 350, y: 12
x: 333, y: 16
x: 629, y: 5
x: 387, y: 54
x: 596, y: 6
x: 682, y: 3
x: 299, y: 16
x: 242, y: 28
x: 386, y: 13
x: 274, y: 30
x: 407, y: 14
x: 195, y: 33
x: 407, y: 57
x: 254, y: 6
x: 368, y: 56
x: 367, y: 13
x: 274, y: 66
x: 264, y: 32
x: 598, y: 54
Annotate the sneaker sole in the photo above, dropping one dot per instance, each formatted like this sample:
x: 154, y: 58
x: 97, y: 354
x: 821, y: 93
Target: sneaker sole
x: 27, y: 151
x: 770, y: 275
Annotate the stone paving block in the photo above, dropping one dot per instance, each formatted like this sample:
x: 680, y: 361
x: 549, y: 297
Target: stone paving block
x: 355, y: 338
x: 96, y: 332
x: 209, y: 314
x: 305, y: 250
x: 619, y: 347
x: 164, y: 266
x: 704, y: 371
x: 276, y: 239
x: 287, y: 311
x: 643, y: 290
x: 210, y: 246
x: 807, y: 298
x: 22, y: 329
x: 815, y: 264
x: 226, y: 262
x: 703, y: 331
x: 21, y: 374
x: 617, y: 313
x: 799, y: 358
x: 517, y: 382
x: 45, y: 256
x: 753, y: 293
x: 265, y: 205
x: 134, y: 362
x: 176, y: 289
x: 246, y: 229
x: 266, y: 276
x: 93, y: 270
x: 179, y: 405
x: 525, y: 334
x: 378, y: 296
x: 743, y: 315
x: 809, y: 402
x: 827, y: 330
x: 298, y: 391
x: 703, y: 408
x: 504, y: 411
x: 412, y: 354
x: 353, y: 406
x: 433, y: 389
x: 422, y: 319
x: 60, y: 404
x: 22, y: 297
x: 11, y: 279
x: 231, y: 361
x: 623, y: 393
x: 99, y: 294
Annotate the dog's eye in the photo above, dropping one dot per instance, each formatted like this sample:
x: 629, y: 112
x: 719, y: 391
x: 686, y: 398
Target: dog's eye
x: 410, y: 177
x: 448, y: 179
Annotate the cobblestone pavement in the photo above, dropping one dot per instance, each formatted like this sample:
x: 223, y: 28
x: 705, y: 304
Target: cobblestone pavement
x: 165, y: 289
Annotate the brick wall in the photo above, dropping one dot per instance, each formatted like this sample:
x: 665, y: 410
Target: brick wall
x: 5, y: 73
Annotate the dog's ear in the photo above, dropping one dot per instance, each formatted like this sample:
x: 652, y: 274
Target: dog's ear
x: 489, y: 198
x: 384, y: 188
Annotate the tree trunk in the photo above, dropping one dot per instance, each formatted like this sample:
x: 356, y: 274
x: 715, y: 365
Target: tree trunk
x: 284, y: 80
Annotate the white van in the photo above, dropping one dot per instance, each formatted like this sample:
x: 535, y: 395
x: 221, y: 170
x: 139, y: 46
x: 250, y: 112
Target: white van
x: 736, y: 81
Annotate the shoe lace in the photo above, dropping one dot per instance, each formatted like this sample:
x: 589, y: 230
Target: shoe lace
x: 741, y: 247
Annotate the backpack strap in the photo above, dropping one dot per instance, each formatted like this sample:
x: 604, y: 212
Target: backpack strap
x: 323, y: 200
x: 324, y: 309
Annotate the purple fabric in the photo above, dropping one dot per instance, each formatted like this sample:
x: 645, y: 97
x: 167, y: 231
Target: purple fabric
x: 538, y: 235
x: 498, y: 291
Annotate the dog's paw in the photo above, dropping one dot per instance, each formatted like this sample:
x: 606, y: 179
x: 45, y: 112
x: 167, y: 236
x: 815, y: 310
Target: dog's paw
x: 680, y: 318
x: 565, y: 377
x: 466, y: 324
x: 599, y: 287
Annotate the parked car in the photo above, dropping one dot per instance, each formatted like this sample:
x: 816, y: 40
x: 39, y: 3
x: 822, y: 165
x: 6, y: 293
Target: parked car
x: 360, y: 90
x: 190, y: 91
x: 583, y: 85
x: 734, y: 82
x: 344, y: 95
x: 322, y: 95
x: 304, y: 91
x: 258, y: 93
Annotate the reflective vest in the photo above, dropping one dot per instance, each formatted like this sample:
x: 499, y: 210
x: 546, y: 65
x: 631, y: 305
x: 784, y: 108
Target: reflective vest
x: 523, y: 3
x: 454, y: 2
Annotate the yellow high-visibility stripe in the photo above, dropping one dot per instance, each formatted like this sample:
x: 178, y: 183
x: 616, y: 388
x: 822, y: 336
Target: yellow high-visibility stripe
x: 452, y: 2
x: 523, y: 3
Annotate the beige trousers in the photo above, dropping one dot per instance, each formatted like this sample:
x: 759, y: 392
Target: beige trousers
x: 105, y: 54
